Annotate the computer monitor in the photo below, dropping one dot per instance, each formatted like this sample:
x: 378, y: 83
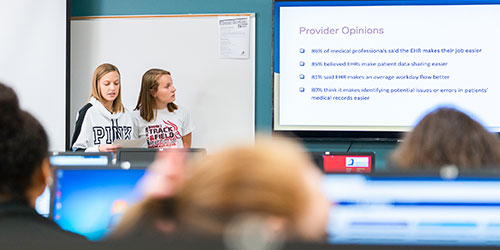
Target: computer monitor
x: 145, y: 156
x: 413, y: 210
x: 42, y: 204
x: 90, y: 200
x: 345, y: 162
x: 80, y: 158
x: 136, y: 155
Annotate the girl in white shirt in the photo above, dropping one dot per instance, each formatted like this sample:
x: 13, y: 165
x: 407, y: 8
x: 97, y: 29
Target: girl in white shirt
x: 103, y: 119
x: 157, y: 117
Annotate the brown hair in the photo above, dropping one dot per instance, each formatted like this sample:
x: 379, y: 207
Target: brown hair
x: 146, y: 101
x: 447, y: 137
x: 99, y: 72
x: 144, y: 218
x: 266, y: 179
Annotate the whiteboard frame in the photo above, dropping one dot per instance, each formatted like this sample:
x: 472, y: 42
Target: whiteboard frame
x: 233, y: 115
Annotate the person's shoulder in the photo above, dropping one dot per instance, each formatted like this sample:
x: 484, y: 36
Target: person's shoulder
x: 125, y: 115
x: 126, y: 111
x: 135, y: 112
x: 85, y: 107
x: 181, y: 110
x: 136, y: 115
x: 87, y: 110
x: 21, y: 220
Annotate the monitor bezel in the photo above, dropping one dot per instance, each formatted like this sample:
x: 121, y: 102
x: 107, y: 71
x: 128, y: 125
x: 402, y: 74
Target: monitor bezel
x: 119, y: 151
x: 108, y: 155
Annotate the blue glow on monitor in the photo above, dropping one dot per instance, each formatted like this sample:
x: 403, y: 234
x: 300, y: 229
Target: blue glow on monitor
x: 79, y: 160
x: 91, y: 202
x: 413, y: 210
x: 42, y: 205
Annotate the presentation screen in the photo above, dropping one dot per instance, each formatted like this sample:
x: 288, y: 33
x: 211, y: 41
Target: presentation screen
x: 377, y: 67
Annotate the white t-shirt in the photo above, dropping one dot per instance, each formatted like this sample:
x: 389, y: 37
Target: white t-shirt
x: 166, y: 130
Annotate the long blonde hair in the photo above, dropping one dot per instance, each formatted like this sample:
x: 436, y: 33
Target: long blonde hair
x: 99, y: 72
x: 265, y: 179
x: 268, y: 180
x: 146, y: 101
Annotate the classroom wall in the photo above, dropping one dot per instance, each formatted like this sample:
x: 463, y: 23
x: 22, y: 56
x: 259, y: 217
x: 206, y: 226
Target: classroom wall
x: 33, y: 61
x: 264, y: 54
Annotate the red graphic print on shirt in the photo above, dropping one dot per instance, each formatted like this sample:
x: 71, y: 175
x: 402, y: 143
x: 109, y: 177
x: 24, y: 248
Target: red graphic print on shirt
x: 165, y: 135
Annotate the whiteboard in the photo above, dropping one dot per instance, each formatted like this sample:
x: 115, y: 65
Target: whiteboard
x: 219, y: 94
x: 33, y: 61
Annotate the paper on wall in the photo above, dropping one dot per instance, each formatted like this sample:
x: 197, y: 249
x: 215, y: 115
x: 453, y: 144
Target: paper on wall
x: 234, y: 37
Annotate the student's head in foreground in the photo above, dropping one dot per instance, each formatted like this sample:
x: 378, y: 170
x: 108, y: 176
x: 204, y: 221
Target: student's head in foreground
x: 448, y: 136
x: 272, y: 187
x: 24, y: 162
x: 272, y: 184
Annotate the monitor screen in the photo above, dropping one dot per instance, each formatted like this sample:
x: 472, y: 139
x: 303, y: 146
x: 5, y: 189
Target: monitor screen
x: 375, y: 68
x: 413, y: 210
x: 90, y: 202
x: 42, y: 204
x: 136, y: 155
x: 79, y: 159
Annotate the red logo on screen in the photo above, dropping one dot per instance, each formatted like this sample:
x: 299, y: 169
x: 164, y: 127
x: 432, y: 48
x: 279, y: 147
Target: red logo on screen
x: 347, y: 163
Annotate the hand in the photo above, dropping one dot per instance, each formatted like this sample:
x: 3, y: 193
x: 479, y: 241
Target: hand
x: 107, y: 148
x: 165, y: 175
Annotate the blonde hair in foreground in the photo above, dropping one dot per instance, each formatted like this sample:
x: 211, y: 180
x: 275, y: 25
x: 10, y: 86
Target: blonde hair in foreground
x: 269, y: 179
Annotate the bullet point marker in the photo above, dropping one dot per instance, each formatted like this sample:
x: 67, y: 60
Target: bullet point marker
x: 302, y: 63
x: 302, y: 50
x: 302, y: 76
x: 301, y: 89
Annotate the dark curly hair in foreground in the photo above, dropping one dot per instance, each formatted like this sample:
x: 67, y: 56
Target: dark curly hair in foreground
x: 23, y: 147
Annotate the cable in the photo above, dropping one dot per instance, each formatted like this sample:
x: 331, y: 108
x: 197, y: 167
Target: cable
x: 349, y: 148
